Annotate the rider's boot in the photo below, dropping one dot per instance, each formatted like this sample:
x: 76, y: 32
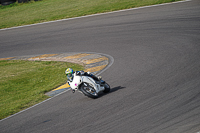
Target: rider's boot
x: 101, y: 81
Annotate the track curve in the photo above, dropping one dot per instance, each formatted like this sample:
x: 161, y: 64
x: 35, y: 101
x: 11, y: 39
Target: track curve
x: 154, y: 79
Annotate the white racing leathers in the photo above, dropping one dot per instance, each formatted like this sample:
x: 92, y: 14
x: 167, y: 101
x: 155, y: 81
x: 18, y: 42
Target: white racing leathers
x: 88, y: 85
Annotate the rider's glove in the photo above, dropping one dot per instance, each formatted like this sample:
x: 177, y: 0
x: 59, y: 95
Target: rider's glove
x: 73, y: 90
x: 88, y: 73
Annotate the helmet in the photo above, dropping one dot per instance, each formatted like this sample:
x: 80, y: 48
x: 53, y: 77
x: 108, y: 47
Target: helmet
x: 69, y: 71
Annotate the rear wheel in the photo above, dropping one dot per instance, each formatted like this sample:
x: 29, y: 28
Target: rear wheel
x: 88, y: 90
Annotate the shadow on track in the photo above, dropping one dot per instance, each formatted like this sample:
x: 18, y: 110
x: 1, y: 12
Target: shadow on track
x: 116, y: 89
x: 111, y: 91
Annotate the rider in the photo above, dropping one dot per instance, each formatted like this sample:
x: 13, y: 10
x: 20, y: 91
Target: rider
x: 70, y: 74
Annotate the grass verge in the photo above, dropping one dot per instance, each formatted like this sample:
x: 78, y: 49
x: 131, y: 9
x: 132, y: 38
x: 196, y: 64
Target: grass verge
x: 48, y: 10
x: 23, y: 83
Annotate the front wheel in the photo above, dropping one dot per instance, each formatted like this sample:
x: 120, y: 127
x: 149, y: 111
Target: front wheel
x: 88, y: 90
x: 107, y: 88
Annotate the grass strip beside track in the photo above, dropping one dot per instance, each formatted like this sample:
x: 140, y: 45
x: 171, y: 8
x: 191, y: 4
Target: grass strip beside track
x: 23, y: 83
x: 48, y: 10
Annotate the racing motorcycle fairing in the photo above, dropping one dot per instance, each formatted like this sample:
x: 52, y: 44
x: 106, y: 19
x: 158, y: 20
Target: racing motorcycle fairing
x: 81, y: 82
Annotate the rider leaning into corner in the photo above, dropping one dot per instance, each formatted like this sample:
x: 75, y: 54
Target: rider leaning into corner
x: 88, y: 91
x: 70, y: 74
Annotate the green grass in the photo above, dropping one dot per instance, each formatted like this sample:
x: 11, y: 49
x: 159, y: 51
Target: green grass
x: 24, y: 83
x: 47, y: 10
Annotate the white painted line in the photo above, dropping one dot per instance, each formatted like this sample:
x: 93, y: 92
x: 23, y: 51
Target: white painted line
x: 111, y: 61
x: 34, y: 105
x: 95, y: 15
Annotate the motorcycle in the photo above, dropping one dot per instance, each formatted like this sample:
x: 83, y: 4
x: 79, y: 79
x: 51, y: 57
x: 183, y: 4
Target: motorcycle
x: 88, y: 86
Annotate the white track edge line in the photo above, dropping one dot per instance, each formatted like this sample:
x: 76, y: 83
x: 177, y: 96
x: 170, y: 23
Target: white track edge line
x: 34, y: 105
x: 95, y: 15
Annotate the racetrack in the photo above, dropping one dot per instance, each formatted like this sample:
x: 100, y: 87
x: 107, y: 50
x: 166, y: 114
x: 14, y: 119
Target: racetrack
x: 155, y: 77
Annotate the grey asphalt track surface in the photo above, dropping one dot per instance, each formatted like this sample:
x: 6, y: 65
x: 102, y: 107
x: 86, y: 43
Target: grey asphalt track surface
x: 155, y: 77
